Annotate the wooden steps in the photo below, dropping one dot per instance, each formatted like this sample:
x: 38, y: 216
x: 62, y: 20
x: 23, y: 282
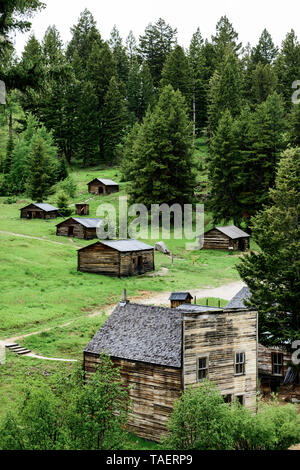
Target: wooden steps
x: 16, y: 348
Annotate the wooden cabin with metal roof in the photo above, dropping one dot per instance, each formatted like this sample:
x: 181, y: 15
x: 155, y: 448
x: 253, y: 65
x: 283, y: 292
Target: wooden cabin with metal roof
x: 117, y: 258
x: 103, y: 187
x: 39, y: 211
x: 226, y: 238
x: 162, y: 351
x: 179, y: 298
x: 78, y: 228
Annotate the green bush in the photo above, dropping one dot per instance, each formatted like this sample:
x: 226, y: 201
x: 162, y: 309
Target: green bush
x: 202, y: 421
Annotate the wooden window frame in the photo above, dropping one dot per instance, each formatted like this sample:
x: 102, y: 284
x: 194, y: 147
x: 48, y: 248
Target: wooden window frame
x: 238, y: 363
x: 277, y: 364
x: 240, y: 398
x: 228, y: 398
x: 206, y: 368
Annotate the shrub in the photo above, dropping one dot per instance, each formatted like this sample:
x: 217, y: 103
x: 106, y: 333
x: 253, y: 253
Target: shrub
x: 63, y: 204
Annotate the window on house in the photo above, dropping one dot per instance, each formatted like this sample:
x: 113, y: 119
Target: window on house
x: 277, y: 363
x: 202, y: 368
x: 240, y: 399
x: 227, y: 398
x: 239, y: 363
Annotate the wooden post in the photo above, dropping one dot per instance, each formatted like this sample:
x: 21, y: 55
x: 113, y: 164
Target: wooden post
x: 206, y: 302
x: 195, y: 300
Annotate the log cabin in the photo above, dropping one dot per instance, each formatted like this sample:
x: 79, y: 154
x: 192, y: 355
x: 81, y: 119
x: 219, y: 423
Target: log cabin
x: 273, y: 361
x: 39, y: 211
x: 179, y: 298
x: 162, y: 351
x: 82, y: 209
x: 226, y: 238
x: 78, y: 228
x: 117, y: 258
x: 103, y: 187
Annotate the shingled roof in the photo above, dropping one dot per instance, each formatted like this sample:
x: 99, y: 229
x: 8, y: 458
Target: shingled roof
x: 233, y: 232
x: 198, y: 308
x: 141, y: 333
x: 238, y: 300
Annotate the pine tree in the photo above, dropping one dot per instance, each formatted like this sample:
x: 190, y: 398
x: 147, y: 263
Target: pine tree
x: 131, y: 47
x: 9, y: 153
x: 120, y: 56
x: 177, y: 72
x: 294, y: 126
x: 39, y: 179
x: 162, y: 154
x: 273, y: 274
x: 287, y: 66
x: 265, y: 51
x: 223, y: 159
x: 155, y: 45
x: 62, y: 203
x: 128, y: 162
x: 113, y: 122
x: 200, y: 81
x: 226, y: 38
x: 225, y: 91
x: 264, y: 82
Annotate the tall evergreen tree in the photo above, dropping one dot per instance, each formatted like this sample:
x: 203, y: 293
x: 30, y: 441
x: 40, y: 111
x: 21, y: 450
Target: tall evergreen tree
x: 264, y: 82
x: 39, y: 179
x: 223, y: 160
x: 200, y: 81
x: 225, y: 91
x: 120, y: 56
x: 155, y: 45
x: 287, y: 66
x: 225, y: 38
x: 273, y: 274
x: 162, y: 154
x: 113, y: 121
x: 265, y: 51
x: 177, y: 72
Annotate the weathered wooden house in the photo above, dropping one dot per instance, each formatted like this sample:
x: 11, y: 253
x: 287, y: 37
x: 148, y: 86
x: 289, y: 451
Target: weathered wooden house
x: 82, y: 209
x: 103, y: 187
x: 179, y: 298
x: 226, y: 238
x: 273, y: 361
x: 161, y: 351
x: 39, y: 211
x: 116, y: 258
x: 78, y: 228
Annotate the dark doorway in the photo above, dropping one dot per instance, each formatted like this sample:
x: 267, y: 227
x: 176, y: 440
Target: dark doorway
x: 140, y: 265
x: 71, y: 231
x: 242, y: 245
x: 29, y: 215
x: 100, y: 190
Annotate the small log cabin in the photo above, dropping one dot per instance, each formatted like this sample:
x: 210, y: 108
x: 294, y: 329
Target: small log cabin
x: 82, y: 209
x: 179, y: 298
x: 39, y: 211
x: 103, y: 187
x: 117, y: 258
x: 273, y: 361
x: 78, y: 228
x: 161, y: 351
x: 226, y: 238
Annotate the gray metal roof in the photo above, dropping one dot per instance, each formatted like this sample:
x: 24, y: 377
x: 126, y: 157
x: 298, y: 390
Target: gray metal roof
x: 45, y: 207
x: 106, y: 182
x: 180, y: 296
x: 126, y: 245
x: 198, y: 308
x: 89, y: 223
x: 238, y: 300
x: 233, y: 232
x: 141, y: 333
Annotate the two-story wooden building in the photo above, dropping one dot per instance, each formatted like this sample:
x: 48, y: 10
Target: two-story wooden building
x: 161, y: 351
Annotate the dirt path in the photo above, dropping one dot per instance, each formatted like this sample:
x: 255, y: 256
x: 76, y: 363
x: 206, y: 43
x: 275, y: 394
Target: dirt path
x: 31, y: 238
x: 225, y: 292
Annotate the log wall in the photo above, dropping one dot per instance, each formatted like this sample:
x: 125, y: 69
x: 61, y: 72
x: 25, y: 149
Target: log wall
x: 36, y: 213
x: 216, y: 240
x: 79, y: 231
x: 265, y: 360
x: 94, y: 188
x: 99, y: 259
x: 130, y: 262
x: 218, y: 337
x: 153, y: 392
